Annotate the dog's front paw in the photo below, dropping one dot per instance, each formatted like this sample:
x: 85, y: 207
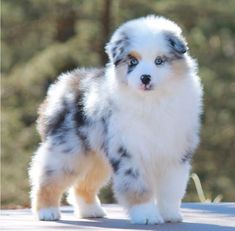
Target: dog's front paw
x: 49, y: 214
x: 172, y: 216
x: 145, y: 214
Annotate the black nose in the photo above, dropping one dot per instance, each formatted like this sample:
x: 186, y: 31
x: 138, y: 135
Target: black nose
x: 145, y: 79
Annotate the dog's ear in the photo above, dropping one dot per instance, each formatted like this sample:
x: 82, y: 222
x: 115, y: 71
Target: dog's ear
x: 176, y: 43
x: 116, y: 48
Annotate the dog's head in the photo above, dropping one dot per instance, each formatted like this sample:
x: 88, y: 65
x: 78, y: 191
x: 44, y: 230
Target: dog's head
x: 146, y: 52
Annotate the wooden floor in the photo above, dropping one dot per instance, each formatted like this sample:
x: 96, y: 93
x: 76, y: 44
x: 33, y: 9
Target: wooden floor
x: 197, y: 217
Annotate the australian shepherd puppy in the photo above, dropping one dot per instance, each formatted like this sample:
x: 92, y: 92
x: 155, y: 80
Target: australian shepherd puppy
x: 137, y: 120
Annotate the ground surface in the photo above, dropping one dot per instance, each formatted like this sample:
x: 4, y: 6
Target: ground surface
x: 197, y: 217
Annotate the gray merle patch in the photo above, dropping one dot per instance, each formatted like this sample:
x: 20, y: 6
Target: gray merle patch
x: 132, y: 173
x: 123, y: 152
x: 187, y: 157
x: 115, y: 164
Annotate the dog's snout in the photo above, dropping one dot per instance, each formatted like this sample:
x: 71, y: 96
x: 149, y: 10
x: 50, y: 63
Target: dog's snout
x: 145, y: 79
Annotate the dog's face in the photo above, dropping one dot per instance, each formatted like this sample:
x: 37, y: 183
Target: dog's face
x: 146, y: 52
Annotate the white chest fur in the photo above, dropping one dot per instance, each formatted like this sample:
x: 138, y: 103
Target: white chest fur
x: 157, y: 131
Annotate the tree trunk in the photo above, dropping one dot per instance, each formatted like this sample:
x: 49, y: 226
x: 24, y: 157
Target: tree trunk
x: 65, y: 22
x: 105, y: 24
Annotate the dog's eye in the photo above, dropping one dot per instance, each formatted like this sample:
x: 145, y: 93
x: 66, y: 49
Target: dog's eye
x: 133, y: 61
x: 159, y: 61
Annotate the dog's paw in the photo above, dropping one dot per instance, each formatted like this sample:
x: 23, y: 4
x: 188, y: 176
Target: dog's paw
x: 171, y: 216
x: 49, y: 214
x: 145, y: 214
x: 91, y: 211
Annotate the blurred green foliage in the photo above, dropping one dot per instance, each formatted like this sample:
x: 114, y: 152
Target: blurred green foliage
x: 41, y: 39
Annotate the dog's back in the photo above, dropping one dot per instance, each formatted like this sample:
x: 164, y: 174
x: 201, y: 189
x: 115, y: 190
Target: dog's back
x: 65, y: 98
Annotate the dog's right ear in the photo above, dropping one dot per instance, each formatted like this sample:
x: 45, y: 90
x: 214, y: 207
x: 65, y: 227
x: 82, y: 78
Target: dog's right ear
x: 116, y: 48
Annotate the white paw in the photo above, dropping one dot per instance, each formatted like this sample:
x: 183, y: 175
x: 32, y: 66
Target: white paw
x: 49, y: 214
x: 89, y: 210
x: 145, y: 214
x: 171, y: 216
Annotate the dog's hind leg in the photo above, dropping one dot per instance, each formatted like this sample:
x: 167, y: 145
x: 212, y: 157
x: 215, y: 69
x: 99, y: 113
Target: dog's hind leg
x: 46, y: 200
x: 50, y: 176
x: 83, y: 194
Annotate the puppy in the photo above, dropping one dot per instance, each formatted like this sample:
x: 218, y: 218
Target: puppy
x: 137, y: 120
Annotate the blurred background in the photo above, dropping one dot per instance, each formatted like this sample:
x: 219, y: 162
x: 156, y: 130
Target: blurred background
x: 42, y: 38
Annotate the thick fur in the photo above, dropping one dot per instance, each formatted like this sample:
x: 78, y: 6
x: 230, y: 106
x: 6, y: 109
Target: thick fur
x: 97, y: 122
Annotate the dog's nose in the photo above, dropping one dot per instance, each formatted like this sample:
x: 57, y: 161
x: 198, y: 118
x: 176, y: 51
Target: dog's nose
x: 145, y: 79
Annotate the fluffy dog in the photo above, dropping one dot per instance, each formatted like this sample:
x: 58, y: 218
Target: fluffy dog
x: 138, y: 119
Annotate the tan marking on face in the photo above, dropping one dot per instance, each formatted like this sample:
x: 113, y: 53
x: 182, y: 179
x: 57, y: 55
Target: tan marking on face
x: 135, y: 54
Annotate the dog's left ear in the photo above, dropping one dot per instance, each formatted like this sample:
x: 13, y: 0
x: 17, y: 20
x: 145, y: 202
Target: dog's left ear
x: 116, y: 48
x: 178, y: 44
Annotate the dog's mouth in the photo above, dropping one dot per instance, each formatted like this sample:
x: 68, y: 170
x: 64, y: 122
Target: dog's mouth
x: 147, y: 87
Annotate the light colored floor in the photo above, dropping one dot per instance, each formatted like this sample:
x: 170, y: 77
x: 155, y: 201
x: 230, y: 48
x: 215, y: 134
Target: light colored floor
x: 197, y: 217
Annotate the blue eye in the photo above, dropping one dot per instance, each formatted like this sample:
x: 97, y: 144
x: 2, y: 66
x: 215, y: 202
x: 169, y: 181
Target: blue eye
x: 133, y: 61
x: 159, y: 60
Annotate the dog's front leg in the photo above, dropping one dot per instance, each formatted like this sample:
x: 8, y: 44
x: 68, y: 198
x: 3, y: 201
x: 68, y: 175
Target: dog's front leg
x: 134, y: 193
x: 170, y: 191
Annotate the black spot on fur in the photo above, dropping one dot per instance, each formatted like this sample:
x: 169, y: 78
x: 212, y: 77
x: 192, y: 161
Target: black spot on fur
x: 120, y: 41
x: 117, y: 62
x: 67, y: 150
x: 115, y: 164
x: 81, y: 120
x: 59, y: 138
x: 123, y: 152
x: 121, y: 50
x: 120, y: 150
x: 105, y: 122
x: 104, y: 145
x: 131, y: 172
x: 79, y: 115
x: 114, y: 51
x: 105, y: 126
x: 187, y: 157
x: 84, y: 139
x: 56, y: 122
